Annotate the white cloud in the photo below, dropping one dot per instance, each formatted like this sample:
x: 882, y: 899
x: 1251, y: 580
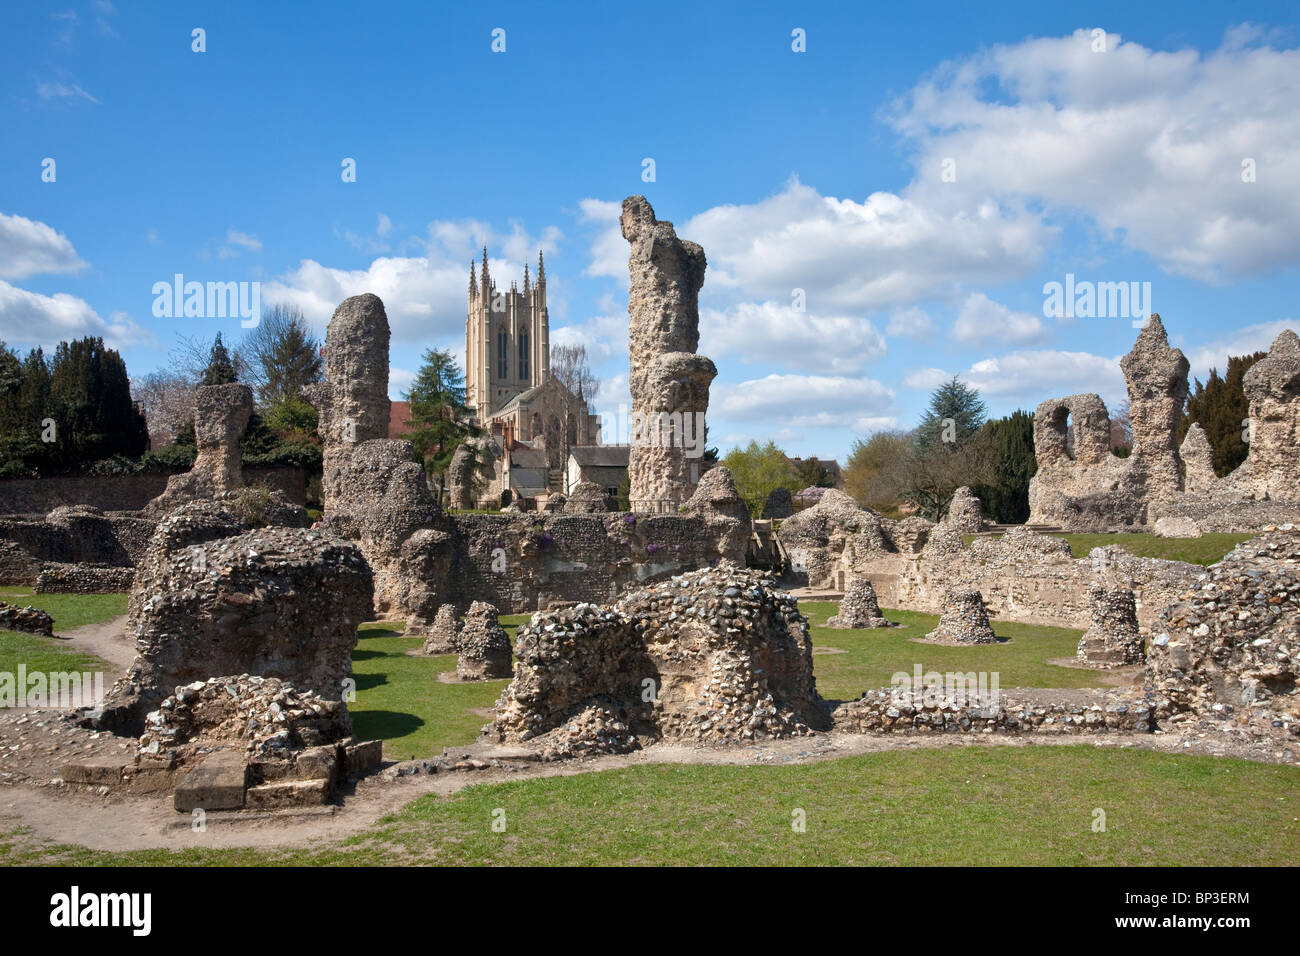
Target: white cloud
x: 802, y: 401
x: 1032, y: 376
x: 980, y: 320
x: 384, y: 227
x: 425, y: 295
x: 910, y: 321
x: 237, y: 242
x: 56, y: 90
x: 30, y: 248
x: 771, y: 333
x: 31, y: 319
x: 609, y: 250
x: 1243, y: 341
x: 847, y: 256
x: 1147, y: 144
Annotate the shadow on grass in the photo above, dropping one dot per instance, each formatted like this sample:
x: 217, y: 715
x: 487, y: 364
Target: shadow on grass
x: 369, y: 681
x: 384, y: 724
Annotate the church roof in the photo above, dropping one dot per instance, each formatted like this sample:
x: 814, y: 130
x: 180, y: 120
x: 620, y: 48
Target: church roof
x: 600, y: 456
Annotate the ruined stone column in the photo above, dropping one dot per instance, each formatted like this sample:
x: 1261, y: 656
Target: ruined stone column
x: 353, y: 400
x: 1157, y: 387
x: 1113, y: 639
x: 669, y: 382
x: 1272, y: 387
x: 221, y: 414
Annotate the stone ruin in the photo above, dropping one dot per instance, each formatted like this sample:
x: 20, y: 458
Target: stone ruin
x: 482, y: 645
x: 213, y: 597
x: 717, y: 655
x: 375, y: 491
x: 1113, y: 639
x: 965, y: 513
x: 250, y: 742
x: 1081, y: 486
x: 1230, y: 647
x: 27, y: 619
x: 965, y: 619
x: 443, y: 633
x: 668, y: 381
x: 585, y: 498
x: 221, y: 414
x: 834, y: 535
x: 859, y: 608
x: 726, y: 518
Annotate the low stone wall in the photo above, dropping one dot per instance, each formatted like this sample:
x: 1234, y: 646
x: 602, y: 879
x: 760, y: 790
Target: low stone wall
x: 77, y: 536
x: 83, y: 579
x: 33, y: 496
x: 524, y: 562
x: 882, y: 711
x: 1026, y: 585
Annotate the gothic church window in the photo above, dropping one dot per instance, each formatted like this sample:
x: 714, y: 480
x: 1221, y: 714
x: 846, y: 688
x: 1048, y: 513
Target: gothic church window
x: 503, y: 355
x: 523, y: 355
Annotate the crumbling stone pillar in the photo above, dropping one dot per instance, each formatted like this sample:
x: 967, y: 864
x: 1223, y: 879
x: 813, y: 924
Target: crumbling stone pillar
x: 1113, y: 639
x: 859, y: 607
x: 669, y: 382
x: 965, y: 619
x: 1198, y: 461
x: 443, y: 635
x: 483, y: 645
x: 1272, y: 386
x: 1157, y: 387
x: 221, y: 414
x: 352, y: 401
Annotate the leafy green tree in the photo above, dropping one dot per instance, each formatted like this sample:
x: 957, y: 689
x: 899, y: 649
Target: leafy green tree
x: 90, y: 402
x: 758, y: 470
x: 1220, y: 407
x: 811, y: 473
x: 221, y: 367
x: 439, y: 415
x: 280, y: 356
x: 955, y: 413
x: 1006, y: 497
x: 867, y: 459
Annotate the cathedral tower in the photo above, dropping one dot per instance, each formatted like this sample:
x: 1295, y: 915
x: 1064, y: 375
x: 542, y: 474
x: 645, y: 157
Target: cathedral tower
x: 507, y: 339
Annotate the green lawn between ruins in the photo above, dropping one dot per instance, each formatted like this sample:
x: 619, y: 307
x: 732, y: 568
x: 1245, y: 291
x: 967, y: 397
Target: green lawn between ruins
x: 1000, y: 805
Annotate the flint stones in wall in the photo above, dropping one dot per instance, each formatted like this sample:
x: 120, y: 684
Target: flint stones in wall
x: 666, y: 376
x: 835, y: 534
x: 483, y: 645
x: 585, y: 498
x: 1168, y: 527
x: 1113, y: 639
x: 718, y: 655
x: 965, y: 512
x: 1230, y: 646
x: 28, y: 619
x: 859, y: 608
x: 274, y: 602
x: 965, y: 619
x: 442, y: 637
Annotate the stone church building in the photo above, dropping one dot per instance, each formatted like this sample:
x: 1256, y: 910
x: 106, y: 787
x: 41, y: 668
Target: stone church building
x: 532, y: 420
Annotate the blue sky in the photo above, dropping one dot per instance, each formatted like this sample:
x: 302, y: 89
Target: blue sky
x: 920, y: 172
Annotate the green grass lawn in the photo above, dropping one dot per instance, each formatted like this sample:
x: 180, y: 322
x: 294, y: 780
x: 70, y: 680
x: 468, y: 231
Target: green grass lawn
x: 69, y: 610
x: 872, y: 657
x: 39, y: 653
x: 401, y: 701
x: 978, y: 806
x: 1205, y: 550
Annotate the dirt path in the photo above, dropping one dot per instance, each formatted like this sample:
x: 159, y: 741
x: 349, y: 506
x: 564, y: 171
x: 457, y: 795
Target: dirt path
x: 107, y: 641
